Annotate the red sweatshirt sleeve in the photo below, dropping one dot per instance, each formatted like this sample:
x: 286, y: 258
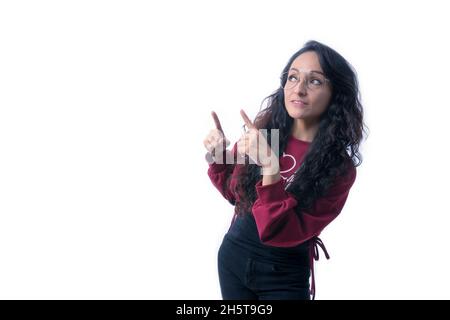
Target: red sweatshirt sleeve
x: 278, y: 223
x: 219, y: 173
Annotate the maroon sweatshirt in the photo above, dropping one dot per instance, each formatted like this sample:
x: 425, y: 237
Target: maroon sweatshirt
x: 274, y: 207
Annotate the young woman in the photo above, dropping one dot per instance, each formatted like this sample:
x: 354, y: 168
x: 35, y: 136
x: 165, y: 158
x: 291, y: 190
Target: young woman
x: 284, y: 198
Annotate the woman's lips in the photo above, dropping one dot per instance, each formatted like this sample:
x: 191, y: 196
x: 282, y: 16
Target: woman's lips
x: 298, y: 103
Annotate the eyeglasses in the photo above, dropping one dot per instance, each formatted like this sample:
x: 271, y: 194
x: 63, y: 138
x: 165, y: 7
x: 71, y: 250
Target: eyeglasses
x: 314, y: 80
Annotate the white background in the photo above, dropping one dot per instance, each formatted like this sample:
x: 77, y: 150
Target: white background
x: 103, y: 109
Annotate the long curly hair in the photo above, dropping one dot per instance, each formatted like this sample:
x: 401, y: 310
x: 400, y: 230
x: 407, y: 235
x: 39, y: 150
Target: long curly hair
x: 335, y: 145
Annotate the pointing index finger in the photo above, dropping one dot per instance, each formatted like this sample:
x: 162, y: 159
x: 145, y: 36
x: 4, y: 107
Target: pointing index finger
x: 247, y: 120
x: 217, y: 121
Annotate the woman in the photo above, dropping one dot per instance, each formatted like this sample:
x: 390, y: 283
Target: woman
x: 284, y: 198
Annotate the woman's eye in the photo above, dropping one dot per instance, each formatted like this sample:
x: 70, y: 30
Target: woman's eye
x: 290, y: 78
x: 316, y: 81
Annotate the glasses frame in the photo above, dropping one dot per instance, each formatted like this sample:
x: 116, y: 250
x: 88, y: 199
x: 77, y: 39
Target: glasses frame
x: 298, y: 81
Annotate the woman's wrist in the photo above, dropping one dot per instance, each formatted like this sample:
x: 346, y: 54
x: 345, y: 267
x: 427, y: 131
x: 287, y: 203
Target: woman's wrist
x: 270, y: 177
x: 271, y: 168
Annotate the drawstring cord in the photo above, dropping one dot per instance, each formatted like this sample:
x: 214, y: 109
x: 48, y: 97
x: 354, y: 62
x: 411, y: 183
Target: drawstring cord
x: 314, y: 245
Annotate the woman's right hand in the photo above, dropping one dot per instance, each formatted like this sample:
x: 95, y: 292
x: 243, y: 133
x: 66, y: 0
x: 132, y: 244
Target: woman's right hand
x: 216, y: 141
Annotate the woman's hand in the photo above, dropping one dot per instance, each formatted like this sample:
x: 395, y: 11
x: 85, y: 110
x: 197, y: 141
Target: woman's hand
x: 254, y: 144
x: 215, y: 142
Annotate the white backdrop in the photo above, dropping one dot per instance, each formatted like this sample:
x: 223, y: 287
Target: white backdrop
x: 103, y: 109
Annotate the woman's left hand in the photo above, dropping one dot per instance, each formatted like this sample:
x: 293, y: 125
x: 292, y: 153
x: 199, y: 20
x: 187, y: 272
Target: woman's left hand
x: 254, y: 144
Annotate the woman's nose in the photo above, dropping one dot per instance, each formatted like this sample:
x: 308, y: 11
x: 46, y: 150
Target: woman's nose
x: 300, y: 87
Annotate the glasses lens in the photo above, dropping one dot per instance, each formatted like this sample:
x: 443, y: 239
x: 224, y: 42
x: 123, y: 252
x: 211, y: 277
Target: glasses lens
x: 292, y: 80
x: 312, y: 80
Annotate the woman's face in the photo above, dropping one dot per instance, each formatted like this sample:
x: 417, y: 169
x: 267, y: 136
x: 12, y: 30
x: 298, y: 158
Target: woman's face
x: 306, y: 85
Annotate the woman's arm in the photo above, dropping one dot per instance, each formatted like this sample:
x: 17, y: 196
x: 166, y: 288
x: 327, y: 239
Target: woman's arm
x: 219, y: 173
x: 271, y: 174
x: 280, y: 225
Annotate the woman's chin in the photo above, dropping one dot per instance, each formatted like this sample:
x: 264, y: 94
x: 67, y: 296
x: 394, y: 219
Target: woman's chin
x: 296, y: 114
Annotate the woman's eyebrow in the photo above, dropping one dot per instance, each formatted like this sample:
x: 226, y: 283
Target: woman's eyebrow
x: 317, y: 71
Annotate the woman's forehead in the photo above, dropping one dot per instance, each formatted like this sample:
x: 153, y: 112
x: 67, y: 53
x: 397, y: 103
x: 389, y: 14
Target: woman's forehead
x: 308, y: 62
